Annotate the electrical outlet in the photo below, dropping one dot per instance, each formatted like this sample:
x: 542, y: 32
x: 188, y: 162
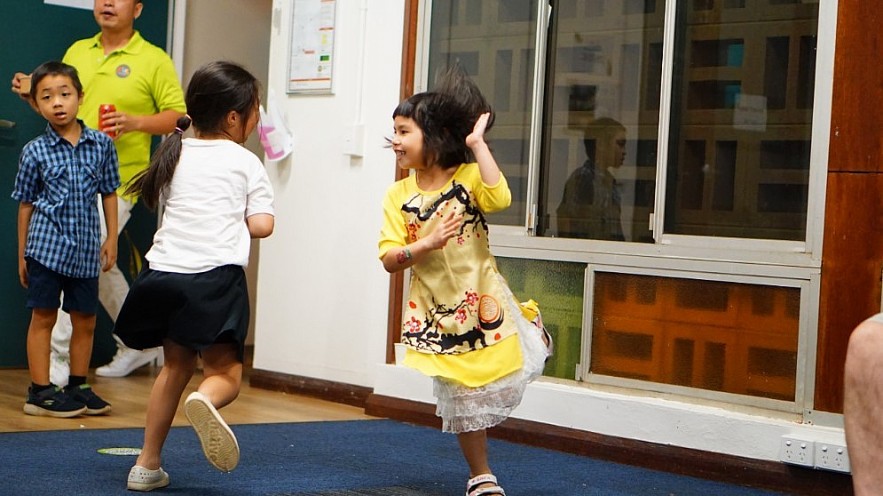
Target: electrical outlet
x: 831, y: 457
x: 797, y: 451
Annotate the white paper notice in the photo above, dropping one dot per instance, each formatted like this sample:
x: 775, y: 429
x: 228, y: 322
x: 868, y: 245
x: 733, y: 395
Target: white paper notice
x: 75, y: 4
x: 750, y: 113
x: 312, y: 46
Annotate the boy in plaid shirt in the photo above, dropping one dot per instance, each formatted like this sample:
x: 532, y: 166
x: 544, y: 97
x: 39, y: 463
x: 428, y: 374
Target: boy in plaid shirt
x: 60, y: 173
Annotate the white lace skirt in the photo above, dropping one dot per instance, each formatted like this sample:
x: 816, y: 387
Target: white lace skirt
x: 466, y: 409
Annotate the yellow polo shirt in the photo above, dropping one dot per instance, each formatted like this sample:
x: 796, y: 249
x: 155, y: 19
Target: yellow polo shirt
x: 139, y: 79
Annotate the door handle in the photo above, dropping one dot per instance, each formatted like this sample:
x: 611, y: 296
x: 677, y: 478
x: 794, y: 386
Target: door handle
x: 4, y: 124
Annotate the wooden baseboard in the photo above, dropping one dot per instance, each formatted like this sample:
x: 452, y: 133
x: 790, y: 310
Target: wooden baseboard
x: 760, y: 474
x: 327, y: 390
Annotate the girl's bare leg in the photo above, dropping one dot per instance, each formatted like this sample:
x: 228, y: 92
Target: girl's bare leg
x: 474, y: 447
x: 223, y: 374
x: 180, y: 363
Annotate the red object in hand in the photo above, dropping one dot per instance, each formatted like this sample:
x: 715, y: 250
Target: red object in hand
x: 104, y: 109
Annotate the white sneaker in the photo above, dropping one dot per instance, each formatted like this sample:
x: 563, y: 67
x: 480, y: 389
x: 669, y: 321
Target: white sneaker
x: 218, y: 441
x: 143, y: 479
x: 59, y: 368
x: 127, y: 361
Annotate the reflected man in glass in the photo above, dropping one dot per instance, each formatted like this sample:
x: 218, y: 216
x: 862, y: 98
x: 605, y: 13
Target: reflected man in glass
x: 590, y: 206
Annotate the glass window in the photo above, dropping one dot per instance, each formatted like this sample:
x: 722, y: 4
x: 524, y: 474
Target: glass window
x: 741, y: 119
x: 720, y: 336
x: 737, y: 122
x: 558, y: 288
x: 494, y: 42
x: 600, y: 120
x: 611, y: 127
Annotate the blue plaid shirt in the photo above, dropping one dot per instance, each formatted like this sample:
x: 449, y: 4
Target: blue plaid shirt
x: 62, y: 181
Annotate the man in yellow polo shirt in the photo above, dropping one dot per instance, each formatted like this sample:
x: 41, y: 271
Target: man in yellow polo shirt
x: 117, y: 66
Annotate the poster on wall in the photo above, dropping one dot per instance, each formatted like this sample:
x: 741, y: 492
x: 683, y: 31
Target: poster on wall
x: 311, y: 51
x: 75, y: 4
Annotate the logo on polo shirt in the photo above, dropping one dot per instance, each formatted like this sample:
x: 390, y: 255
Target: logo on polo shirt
x: 123, y: 71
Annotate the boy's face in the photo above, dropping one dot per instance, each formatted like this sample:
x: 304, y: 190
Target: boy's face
x: 58, y: 100
x: 116, y: 14
x: 407, y: 143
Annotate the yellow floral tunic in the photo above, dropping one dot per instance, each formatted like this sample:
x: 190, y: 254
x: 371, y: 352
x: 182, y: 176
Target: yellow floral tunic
x: 457, y: 319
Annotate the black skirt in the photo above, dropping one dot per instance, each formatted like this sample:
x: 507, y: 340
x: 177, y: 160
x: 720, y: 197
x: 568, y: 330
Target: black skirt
x: 193, y: 310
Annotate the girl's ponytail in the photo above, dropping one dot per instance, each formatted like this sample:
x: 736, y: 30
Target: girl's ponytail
x: 149, y: 183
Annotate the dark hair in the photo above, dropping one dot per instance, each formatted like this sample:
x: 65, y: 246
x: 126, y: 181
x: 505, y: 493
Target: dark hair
x: 603, y: 129
x: 215, y: 90
x: 54, y: 68
x: 446, y: 115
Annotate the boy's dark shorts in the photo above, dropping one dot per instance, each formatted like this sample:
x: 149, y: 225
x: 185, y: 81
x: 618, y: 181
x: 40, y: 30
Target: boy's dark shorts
x: 45, y: 287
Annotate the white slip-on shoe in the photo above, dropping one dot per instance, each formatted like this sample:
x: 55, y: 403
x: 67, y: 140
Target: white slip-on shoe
x: 143, y: 479
x: 218, y: 442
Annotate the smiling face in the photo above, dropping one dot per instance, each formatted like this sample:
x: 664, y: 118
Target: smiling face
x: 58, y: 100
x: 116, y: 15
x: 407, y: 143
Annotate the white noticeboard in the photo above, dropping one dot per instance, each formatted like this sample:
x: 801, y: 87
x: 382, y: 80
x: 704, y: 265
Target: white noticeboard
x: 311, y: 51
x: 76, y: 4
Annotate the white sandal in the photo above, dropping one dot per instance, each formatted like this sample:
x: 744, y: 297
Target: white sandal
x: 473, y: 489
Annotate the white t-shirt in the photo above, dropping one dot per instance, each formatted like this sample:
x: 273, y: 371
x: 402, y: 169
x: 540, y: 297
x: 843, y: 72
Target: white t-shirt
x: 217, y: 184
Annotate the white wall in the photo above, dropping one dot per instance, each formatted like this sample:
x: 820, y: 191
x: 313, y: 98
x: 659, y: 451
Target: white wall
x: 322, y: 293
x: 239, y: 32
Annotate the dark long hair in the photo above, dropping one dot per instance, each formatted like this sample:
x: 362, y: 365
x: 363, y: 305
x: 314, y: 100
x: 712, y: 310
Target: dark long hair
x: 215, y: 90
x: 446, y: 115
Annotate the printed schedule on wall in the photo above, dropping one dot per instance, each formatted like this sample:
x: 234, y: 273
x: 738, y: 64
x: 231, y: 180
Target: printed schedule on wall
x: 311, y: 51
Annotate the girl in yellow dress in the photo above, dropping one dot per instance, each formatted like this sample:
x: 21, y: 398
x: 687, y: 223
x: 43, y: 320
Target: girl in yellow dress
x: 462, y: 325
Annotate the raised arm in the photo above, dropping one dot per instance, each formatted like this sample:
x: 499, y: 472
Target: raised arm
x: 487, y: 164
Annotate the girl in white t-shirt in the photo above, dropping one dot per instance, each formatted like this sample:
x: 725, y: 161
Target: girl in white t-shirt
x: 192, y: 299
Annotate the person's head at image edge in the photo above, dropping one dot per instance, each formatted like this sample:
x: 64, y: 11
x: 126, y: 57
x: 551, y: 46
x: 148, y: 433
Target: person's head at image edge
x: 117, y: 16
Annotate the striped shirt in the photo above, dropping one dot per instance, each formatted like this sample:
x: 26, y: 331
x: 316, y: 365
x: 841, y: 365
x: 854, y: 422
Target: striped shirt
x: 62, y: 182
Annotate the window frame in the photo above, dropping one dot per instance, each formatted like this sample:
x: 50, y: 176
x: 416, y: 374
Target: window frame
x: 765, y: 261
x: 806, y: 253
x: 806, y: 340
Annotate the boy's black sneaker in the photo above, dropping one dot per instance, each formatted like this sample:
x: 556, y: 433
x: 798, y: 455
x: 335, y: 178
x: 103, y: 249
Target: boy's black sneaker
x: 52, y: 402
x: 84, y: 394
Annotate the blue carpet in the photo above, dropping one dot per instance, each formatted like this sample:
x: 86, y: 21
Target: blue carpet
x: 354, y: 458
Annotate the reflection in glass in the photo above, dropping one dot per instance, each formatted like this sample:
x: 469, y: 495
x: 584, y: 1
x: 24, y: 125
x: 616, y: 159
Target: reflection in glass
x: 719, y: 336
x: 558, y: 288
x: 494, y: 42
x: 600, y: 120
x: 591, y: 206
x: 741, y: 119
